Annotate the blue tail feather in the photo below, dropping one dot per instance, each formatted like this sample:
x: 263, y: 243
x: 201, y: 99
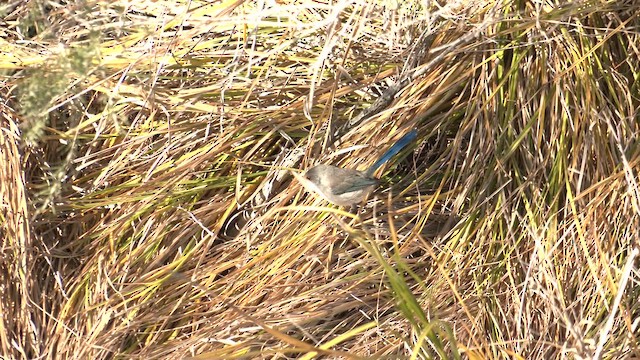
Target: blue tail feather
x: 393, y: 150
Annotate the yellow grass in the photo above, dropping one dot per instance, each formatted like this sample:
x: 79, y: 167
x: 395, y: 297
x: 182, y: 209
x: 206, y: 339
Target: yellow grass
x: 149, y: 206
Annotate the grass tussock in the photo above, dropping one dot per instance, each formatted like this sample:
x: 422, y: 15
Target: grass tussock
x: 148, y: 211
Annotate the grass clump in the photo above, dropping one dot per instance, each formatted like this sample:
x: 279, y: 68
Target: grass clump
x: 147, y: 207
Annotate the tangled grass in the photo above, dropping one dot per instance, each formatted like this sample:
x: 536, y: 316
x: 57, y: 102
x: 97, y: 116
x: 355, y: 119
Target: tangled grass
x: 148, y: 208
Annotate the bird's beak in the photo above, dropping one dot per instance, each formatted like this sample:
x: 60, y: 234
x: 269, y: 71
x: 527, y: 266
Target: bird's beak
x: 302, y: 179
x: 306, y: 183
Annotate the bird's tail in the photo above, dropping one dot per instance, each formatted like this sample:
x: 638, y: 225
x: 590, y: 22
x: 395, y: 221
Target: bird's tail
x: 393, y: 150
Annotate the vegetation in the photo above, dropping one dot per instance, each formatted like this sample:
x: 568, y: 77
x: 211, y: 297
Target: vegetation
x: 148, y: 208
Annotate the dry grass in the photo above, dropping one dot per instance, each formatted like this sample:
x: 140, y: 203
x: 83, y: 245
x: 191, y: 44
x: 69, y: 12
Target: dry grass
x: 147, y: 209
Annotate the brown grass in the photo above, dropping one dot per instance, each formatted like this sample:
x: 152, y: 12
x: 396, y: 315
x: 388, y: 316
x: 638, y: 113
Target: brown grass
x: 147, y: 207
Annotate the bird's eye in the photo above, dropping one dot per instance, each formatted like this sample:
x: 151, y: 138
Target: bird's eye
x: 309, y: 174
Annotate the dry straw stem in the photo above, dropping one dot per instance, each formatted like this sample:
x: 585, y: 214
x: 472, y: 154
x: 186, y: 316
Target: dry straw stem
x: 147, y: 209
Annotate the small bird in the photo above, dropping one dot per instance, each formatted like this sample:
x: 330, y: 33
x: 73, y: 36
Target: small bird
x: 346, y: 186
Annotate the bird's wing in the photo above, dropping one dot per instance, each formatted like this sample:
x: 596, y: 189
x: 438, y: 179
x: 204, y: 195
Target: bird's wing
x: 353, y: 183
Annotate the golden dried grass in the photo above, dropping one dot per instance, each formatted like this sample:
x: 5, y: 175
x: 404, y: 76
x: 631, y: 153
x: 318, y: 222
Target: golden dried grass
x: 150, y: 131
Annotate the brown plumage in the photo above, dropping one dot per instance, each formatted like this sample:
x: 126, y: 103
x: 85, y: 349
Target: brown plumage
x: 341, y: 186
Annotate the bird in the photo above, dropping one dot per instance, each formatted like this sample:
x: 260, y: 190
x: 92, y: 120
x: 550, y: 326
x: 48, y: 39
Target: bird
x: 347, y: 187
